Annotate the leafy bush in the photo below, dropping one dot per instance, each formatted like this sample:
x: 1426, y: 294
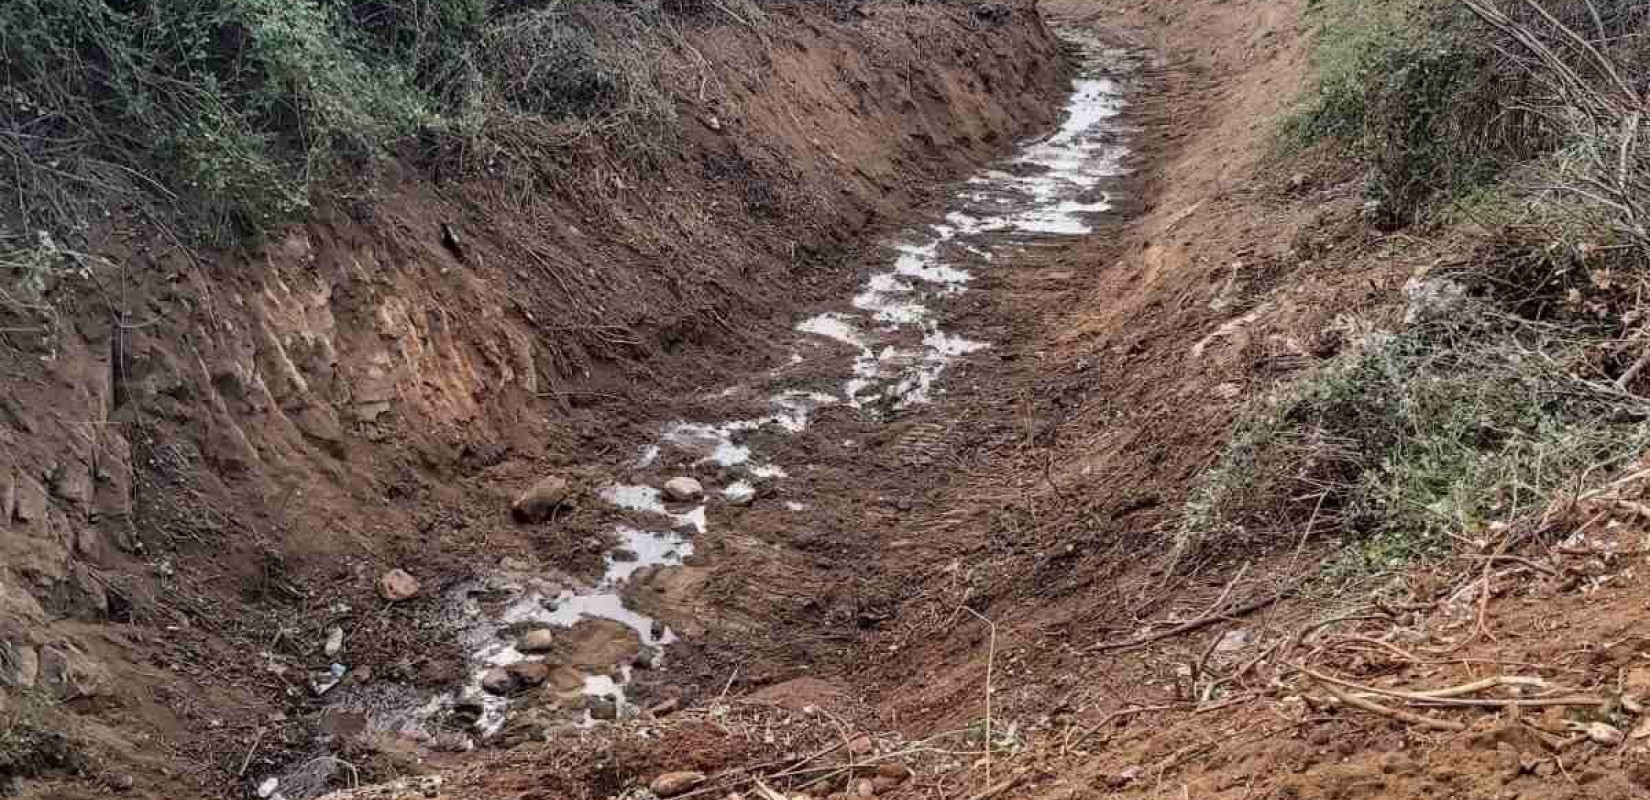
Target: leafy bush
x: 1355, y: 41
x: 233, y: 111
x: 541, y: 65
x: 1436, y: 100
x: 1409, y: 442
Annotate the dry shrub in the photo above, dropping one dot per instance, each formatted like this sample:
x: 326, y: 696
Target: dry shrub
x: 1587, y: 63
x: 1440, y: 97
x: 1408, y: 443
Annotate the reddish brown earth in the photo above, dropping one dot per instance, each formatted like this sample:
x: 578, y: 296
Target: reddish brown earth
x: 207, y: 458
x: 375, y: 403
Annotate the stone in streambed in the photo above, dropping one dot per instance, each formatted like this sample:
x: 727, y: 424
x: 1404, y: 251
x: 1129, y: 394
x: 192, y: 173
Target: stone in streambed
x: 498, y: 681
x: 672, y: 784
x: 605, y: 708
x: 542, y: 498
x: 538, y: 640
x: 529, y: 673
x: 334, y: 642
x: 683, y: 489
x: 397, y: 585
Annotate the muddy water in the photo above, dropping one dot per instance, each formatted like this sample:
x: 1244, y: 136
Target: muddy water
x: 881, y: 350
x: 899, y: 353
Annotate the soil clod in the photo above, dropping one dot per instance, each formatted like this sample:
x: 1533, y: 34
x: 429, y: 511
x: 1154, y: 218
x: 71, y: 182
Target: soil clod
x: 397, y: 585
x: 672, y: 784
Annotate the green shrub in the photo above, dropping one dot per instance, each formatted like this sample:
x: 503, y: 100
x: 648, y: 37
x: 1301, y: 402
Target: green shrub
x: 234, y: 111
x: 541, y: 64
x: 1437, y: 102
x: 1407, y: 443
x: 1358, y: 41
x: 35, y: 740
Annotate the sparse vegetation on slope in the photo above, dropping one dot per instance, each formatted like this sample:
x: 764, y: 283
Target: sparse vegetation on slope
x: 234, y: 111
x: 1406, y: 444
x: 1510, y: 134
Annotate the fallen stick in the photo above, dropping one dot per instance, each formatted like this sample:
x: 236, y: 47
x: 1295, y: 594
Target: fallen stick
x: 1529, y: 702
x: 727, y: 780
x: 1381, y: 643
x: 999, y: 787
x: 1477, y: 686
x: 1392, y: 713
x: 1537, y: 566
x: 247, y: 762
x: 1128, y: 712
x: 1190, y: 625
x: 1449, y: 695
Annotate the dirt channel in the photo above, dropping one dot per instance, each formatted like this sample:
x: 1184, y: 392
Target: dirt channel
x: 745, y: 535
x: 851, y: 478
x: 209, y: 460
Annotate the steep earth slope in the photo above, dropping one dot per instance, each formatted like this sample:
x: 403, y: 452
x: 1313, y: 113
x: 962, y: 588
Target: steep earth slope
x: 942, y: 449
x: 210, y: 457
x: 992, y: 605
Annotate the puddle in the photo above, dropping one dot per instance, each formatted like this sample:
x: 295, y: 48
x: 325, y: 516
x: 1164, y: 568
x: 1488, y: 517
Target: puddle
x: 893, y: 348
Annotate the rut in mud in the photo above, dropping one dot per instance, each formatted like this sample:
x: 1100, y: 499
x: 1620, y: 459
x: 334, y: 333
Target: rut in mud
x: 791, y: 445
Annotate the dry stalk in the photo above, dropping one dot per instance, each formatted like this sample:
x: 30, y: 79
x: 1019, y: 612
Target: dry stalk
x: 1392, y: 713
x: 1194, y: 624
x: 1452, y: 695
x: 990, y: 665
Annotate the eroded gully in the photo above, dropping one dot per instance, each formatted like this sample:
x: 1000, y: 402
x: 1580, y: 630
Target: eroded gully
x: 878, y: 353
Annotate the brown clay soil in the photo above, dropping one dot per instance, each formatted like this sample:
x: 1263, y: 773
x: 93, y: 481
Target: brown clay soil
x: 207, y: 458
x: 987, y: 568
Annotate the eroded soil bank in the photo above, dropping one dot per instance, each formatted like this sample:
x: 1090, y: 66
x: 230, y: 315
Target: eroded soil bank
x: 976, y: 599
x: 754, y: 594
x: 211, y: 458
